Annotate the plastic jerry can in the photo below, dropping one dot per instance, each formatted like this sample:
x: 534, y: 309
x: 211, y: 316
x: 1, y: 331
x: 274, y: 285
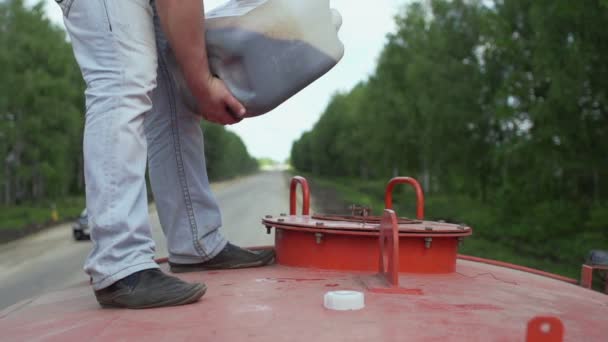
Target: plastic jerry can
x: 268, y: 50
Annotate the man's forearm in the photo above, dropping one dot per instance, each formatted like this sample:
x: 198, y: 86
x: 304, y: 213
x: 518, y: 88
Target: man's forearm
x: 183, y: 24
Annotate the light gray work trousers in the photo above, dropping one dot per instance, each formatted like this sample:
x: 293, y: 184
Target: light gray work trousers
x: 132, y: 114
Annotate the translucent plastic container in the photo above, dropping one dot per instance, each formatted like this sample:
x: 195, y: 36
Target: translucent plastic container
x: 268, y: 50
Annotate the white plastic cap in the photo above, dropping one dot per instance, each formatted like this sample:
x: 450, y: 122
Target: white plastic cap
x: 344, y: 300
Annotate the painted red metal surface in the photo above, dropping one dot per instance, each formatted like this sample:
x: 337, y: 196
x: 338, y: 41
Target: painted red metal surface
x: 415, y: 289
x: 388, y: 196
x: 305, y: 195
x: 387, y: 280
x: 587, y: 276
x: 545, y: 329
x: 429, y: 228
x: 285, y: 225
x: 478, y: 302
x: 351, y: 243
x: 518, y: 267
x: 389, y: 248
x: 358, y: 251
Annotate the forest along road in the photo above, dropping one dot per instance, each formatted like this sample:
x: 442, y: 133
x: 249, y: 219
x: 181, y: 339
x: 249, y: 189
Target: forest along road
x: 52, y: 260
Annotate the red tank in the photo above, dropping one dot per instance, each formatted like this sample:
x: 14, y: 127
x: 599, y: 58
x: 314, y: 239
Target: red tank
x: 414, y: 284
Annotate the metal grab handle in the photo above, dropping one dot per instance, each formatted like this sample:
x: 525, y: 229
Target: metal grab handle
x: 305, y: 195
x: 388, y: 197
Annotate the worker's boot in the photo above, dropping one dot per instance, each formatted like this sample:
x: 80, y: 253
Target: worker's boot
x: 149, y: 288
x: 230, y: 257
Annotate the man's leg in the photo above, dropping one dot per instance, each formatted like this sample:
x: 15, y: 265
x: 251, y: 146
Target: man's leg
x: 113, y: 41
x: 114, y: 44
x: 188, y: 211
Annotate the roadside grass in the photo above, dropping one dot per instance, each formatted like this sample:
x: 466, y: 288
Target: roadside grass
x: 493, y: 238
x: 27, y: 214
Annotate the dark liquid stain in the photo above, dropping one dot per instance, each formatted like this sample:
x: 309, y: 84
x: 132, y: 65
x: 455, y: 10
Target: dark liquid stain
x: 300, y: 279
x: 261, y: 72
x: 282, y: 280
x: 460, y: 307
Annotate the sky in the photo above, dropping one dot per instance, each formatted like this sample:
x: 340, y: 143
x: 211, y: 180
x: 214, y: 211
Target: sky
x: 364, y: 29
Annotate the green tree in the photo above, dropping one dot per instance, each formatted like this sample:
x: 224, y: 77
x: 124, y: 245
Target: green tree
x: 505, y: 103
x: 225, y: 153
x: 40, y: 107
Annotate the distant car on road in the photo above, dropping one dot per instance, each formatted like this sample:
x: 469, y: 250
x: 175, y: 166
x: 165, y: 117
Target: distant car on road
x: 80, y: 229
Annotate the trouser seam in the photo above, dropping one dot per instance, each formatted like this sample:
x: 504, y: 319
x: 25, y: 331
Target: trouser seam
x: 178, y: 157
x: 110, y: 172
x: 118, y: 217
x: 122, y: 270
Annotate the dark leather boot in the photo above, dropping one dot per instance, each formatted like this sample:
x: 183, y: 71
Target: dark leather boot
x: 149, y: 288
x: 230, y: 257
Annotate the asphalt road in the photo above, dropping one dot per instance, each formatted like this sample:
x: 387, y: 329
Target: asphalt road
x: 52, y: 260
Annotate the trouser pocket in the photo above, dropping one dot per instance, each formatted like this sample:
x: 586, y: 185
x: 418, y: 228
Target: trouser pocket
x: 65, y: 6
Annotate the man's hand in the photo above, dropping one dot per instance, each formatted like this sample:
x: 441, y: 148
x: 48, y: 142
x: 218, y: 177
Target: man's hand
x: 216, y: 103
x: 183, y: 24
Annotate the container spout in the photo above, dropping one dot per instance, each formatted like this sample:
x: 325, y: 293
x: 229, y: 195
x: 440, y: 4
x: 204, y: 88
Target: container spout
x: 336, y: 19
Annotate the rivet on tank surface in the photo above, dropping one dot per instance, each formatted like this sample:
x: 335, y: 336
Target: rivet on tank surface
x: 283, y: 214
x: 281, y: 220
x: 428, y: 228
x: 320, y: 224
x: 319, y: 238
x: 427, y: 242
x: 268, y: 216
x: 268, y: 229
